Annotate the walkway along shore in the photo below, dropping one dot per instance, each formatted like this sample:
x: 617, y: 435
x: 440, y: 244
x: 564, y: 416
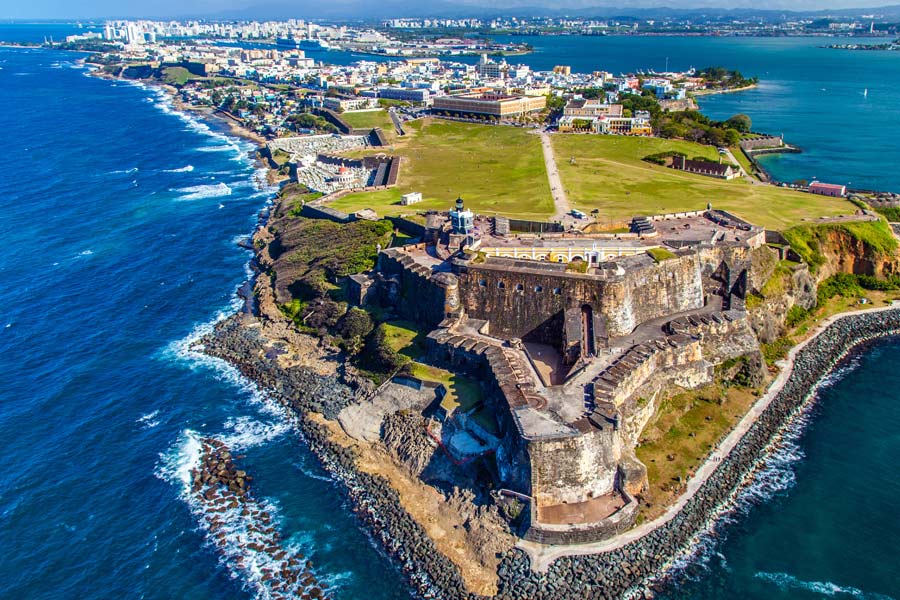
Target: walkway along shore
x: 614, y: 569
x: 542, y: 555
x: 610, y: 569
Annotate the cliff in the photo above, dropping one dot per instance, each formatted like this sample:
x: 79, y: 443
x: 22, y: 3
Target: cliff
x: 858, y: 248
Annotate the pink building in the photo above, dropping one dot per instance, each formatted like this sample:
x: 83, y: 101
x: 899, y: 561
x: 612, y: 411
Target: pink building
x: 828, y: 189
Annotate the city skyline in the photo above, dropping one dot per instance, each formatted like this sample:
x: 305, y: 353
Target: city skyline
x: 360, y: 9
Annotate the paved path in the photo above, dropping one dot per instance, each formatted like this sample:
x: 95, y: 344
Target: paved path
x: 734, y: 161
x: 560, y: 200
x: 542, y: 555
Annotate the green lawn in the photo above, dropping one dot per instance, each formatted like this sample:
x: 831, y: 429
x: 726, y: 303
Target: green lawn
x: 463, y: 393
x: 497, y: 170
x: 742, y: 159
x: 369, y: 118
x: 608, y: 174
x: 405, y: 338
x: 178, y: 75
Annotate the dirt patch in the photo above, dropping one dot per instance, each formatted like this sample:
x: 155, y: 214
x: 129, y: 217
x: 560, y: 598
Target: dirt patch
x: 468, y: 535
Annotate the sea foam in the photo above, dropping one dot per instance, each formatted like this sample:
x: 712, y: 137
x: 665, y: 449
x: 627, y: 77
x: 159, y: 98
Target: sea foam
x: 199, y: 192
x: 787, y: 582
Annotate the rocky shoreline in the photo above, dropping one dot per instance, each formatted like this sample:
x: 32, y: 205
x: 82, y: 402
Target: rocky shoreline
x: 626, y: 571
x: 637, y: 568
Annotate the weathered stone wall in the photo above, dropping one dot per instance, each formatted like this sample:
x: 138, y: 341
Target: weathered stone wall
x: 418, y: 294
x: 518, y: 301
x: 574, y: 469
x: 671, y: 357
x: 615, y: 572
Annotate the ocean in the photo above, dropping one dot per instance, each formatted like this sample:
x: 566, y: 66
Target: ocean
x: 811, y: 94
x: 121, y: 219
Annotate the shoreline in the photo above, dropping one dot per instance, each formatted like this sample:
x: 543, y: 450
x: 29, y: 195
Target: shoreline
x: 385, y: 520
x: 542, y: 556
x: 724, y: 91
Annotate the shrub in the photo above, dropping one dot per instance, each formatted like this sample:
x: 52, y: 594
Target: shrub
x: 660, y: 158
x: 378, y: 356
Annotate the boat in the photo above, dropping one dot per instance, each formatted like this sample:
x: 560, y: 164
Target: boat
x: 302, y: 43
x: 866, y: 93
x: 311, y: 44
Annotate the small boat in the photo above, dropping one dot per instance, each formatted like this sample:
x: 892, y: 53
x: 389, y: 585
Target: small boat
x: 866, y: 93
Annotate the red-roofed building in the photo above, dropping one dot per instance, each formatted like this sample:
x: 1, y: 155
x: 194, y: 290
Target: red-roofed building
x: 828, y: 189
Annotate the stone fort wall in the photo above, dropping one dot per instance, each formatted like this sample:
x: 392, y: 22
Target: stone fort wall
x: 519, y: 300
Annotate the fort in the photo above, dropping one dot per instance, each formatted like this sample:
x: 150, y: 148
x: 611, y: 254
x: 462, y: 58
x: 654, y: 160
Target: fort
x: 576, y: 335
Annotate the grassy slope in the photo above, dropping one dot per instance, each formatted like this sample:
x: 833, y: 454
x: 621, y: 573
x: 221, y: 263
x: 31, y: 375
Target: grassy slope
x: 667, y: 447
x: 462, y: 392
x: 609, y: 175
x: 372, y: 118
x: 495, y: 169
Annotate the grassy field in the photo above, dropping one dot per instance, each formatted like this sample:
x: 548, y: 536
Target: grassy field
x: 681, y: 435
x: 370, y: 119
x: 463, y: 393
x: 405, y: 338
x: 495, y: 169
x: 607, y: 173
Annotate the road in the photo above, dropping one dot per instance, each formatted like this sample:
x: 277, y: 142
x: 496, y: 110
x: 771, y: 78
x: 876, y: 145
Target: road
x: 560, y: 200
x: 542, y: 555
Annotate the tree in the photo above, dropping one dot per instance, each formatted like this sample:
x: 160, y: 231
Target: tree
x: 732, y: 137
x: 741, y: 122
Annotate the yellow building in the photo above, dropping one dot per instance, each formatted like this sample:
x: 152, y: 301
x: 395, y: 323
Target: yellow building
x: 496, y: 105
x: 565, y: 251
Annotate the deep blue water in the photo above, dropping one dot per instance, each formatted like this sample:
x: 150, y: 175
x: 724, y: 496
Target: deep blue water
x: 120, y: 219
x: 822, y: 520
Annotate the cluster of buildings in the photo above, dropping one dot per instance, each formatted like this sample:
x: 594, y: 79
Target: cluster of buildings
x: 489, y: 89
x: 599, y: 116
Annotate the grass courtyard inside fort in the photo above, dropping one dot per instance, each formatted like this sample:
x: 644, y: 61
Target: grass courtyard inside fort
x: 607, y: 173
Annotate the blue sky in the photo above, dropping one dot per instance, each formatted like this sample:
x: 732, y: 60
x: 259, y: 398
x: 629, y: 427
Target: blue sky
x: 60, y: 9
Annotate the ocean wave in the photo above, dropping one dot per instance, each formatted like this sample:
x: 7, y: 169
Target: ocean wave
x: 85, y: 253
x: 149, y: 420
x: 248, y: 432
x: 242, y: 528
x: 176, y: 464
x: 302, y: 466
x: 222, y: 148
x: 124, y: 171
x: 184, y: 169
x: 163, y: 102
x: 787, y: 582
x: 199, y: 192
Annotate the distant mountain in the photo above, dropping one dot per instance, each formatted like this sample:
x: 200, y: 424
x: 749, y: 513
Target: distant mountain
x: 366, y: 10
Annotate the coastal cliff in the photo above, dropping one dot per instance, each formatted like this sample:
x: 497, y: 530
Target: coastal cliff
x: 298, y: 345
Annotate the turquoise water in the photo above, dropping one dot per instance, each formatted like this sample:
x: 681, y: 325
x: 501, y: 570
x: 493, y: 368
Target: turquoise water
x: 120, y: 220
x: 821, y: 521
x: 811, y: 94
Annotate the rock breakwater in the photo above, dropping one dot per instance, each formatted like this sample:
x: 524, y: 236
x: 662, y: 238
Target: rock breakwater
x: 243, y: 531
x: 430, y: 574
x: 638, y: 567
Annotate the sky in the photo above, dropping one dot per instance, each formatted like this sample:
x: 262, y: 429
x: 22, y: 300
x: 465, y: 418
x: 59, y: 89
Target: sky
x: 65, y: 9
